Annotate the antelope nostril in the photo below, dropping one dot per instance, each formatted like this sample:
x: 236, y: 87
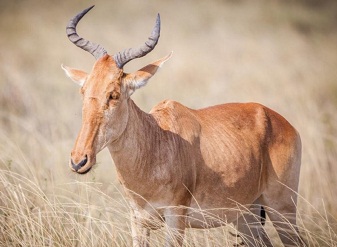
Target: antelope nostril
x: 83, y: 162
x: 79, y: 165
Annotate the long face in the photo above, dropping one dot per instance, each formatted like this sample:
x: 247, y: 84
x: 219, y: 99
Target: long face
x: 104, y: 113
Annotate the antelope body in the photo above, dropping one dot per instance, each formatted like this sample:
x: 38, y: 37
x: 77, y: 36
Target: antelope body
x: 175, y: 161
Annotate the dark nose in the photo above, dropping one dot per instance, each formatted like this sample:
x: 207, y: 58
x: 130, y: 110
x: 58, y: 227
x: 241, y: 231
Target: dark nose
x: 78, y: 166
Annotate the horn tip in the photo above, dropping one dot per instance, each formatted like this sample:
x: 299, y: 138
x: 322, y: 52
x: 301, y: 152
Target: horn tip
x: 158, y: 22
x: 88, y: 9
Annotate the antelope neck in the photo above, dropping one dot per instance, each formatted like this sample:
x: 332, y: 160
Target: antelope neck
x: 133, y: 144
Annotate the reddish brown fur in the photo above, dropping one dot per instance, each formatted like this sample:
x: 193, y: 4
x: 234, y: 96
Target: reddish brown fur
x: 176, y: 160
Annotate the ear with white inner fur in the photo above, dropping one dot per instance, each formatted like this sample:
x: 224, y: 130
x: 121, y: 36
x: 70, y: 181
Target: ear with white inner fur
x: 139, y: 78
x: 78, y: 76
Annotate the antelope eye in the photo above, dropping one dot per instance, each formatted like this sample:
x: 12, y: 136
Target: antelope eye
x: 113, y: 96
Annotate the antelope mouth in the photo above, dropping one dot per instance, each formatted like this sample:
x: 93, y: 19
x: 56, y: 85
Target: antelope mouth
x: 85, y: 172
x: 82, y: 167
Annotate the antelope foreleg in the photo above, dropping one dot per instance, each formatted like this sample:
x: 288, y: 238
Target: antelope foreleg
x: 140, y: 234
x: 175, y: 219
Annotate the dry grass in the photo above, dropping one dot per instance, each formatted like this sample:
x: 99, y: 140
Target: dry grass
x: 279, y: 53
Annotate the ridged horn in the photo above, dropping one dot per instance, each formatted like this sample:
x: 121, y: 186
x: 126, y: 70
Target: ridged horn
x: 94, y: 49
x: 121, y: 58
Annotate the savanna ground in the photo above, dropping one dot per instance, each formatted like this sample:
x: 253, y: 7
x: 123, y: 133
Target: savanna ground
x: 280, y: 53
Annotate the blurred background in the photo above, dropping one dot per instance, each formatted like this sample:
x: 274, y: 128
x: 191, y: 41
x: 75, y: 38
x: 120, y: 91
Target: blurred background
x: 282, y: 54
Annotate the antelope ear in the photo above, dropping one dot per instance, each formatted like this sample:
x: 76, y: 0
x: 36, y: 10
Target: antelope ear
x: 139, y: 78
x: 78, y: 76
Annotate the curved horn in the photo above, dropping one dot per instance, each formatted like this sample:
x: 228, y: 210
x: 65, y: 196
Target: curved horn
x: 121, y: 58
x: 94, y: 49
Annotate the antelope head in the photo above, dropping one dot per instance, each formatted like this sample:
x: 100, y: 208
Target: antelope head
x: 105, y: 90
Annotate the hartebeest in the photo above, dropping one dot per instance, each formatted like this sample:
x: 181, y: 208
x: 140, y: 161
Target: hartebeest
x: 176, y: 160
